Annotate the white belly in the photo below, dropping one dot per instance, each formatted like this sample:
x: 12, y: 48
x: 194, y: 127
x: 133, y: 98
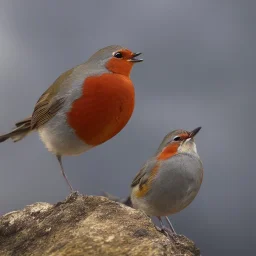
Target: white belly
x: 60, y: 139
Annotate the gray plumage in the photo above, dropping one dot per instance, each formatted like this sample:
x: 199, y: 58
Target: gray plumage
x: 176, y: 182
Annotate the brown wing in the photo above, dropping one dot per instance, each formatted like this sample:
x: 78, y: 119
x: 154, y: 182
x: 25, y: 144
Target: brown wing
x: 138, y: 177
x: 47, y: 106
x: 144, y: 173
x: 44, y: 111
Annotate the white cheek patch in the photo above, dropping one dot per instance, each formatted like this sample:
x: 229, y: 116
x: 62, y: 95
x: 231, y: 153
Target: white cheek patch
x: 188, y: 147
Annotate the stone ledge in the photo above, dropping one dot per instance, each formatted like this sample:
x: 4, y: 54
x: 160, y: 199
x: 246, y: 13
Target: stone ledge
x: 86, y: 225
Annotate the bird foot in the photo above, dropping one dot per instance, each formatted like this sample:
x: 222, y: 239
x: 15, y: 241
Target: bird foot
x: 167, y: 232
x: 73, y: 194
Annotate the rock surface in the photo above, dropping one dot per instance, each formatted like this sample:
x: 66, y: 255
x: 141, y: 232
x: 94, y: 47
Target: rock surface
x: 86, y: 225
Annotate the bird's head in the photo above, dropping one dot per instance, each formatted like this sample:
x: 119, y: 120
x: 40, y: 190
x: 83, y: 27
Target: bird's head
x: 116, y: 59
x: 178, y: 141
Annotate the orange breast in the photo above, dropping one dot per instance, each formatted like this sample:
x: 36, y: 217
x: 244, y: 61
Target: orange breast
x: 104, y: 109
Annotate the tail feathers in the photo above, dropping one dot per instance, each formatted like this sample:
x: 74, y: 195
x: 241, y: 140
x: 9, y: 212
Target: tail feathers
x: 126, y: 201
x: 22, y: 129
x: 26, y: 121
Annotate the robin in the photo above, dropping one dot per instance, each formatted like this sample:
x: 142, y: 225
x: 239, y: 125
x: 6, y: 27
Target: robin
x: 169, y: 181
x: 85, y: 106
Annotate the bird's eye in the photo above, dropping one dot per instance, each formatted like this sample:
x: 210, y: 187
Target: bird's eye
x: 177, y: 138
x: 118, y: 55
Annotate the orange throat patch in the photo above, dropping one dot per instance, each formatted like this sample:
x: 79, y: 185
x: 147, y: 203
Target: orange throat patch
x: 105, y: 107
x: 122, y: 67
x: 168, y: 151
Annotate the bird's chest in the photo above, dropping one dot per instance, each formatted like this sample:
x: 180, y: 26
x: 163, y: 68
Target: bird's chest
x: 104, y: 108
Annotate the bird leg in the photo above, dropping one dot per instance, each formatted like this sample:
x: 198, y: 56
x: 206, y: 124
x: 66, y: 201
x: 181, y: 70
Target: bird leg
x: 170, y: 225
x: 168, y: 232
x: 63, y: 173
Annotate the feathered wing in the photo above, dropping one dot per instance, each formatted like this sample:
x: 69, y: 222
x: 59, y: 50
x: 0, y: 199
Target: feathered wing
x: 140, y: 180
x: 48, y: 104
x: 144, y: 174
x: 46, y: 108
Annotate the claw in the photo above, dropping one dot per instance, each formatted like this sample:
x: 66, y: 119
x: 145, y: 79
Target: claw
x: 170, y: 233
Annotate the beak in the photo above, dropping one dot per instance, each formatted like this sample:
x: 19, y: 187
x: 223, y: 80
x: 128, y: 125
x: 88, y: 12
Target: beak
x: 134, y: 59
x: 194, y: 132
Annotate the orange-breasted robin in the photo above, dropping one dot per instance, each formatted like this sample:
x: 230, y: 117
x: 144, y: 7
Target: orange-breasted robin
x: 85, y: 106
x: 169, y: 181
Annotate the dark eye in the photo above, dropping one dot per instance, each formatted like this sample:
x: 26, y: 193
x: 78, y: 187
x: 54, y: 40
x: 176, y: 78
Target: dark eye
x: 177, y: 138
x: 118, y: 55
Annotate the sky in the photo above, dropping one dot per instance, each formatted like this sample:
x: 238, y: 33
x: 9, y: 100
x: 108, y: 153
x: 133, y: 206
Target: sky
x: 198, y: 70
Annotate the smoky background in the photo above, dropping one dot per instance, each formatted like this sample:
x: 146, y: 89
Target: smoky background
x: 198, y: 70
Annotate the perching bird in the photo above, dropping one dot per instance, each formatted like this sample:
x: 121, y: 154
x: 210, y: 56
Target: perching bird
x: 85, y: 106
x: 169, y: 181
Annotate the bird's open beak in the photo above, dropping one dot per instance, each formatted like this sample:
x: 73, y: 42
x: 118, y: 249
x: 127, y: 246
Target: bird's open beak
x: 134, y: 59
x: 194, y: 132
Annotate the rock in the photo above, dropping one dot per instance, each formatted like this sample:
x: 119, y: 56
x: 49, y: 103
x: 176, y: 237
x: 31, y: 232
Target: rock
x: 86, y: 225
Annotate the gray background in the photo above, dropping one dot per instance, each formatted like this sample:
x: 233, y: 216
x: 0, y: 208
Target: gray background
x: 199, y: 69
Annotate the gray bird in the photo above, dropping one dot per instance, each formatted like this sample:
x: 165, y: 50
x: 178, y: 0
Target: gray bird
x: 170, y: 180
